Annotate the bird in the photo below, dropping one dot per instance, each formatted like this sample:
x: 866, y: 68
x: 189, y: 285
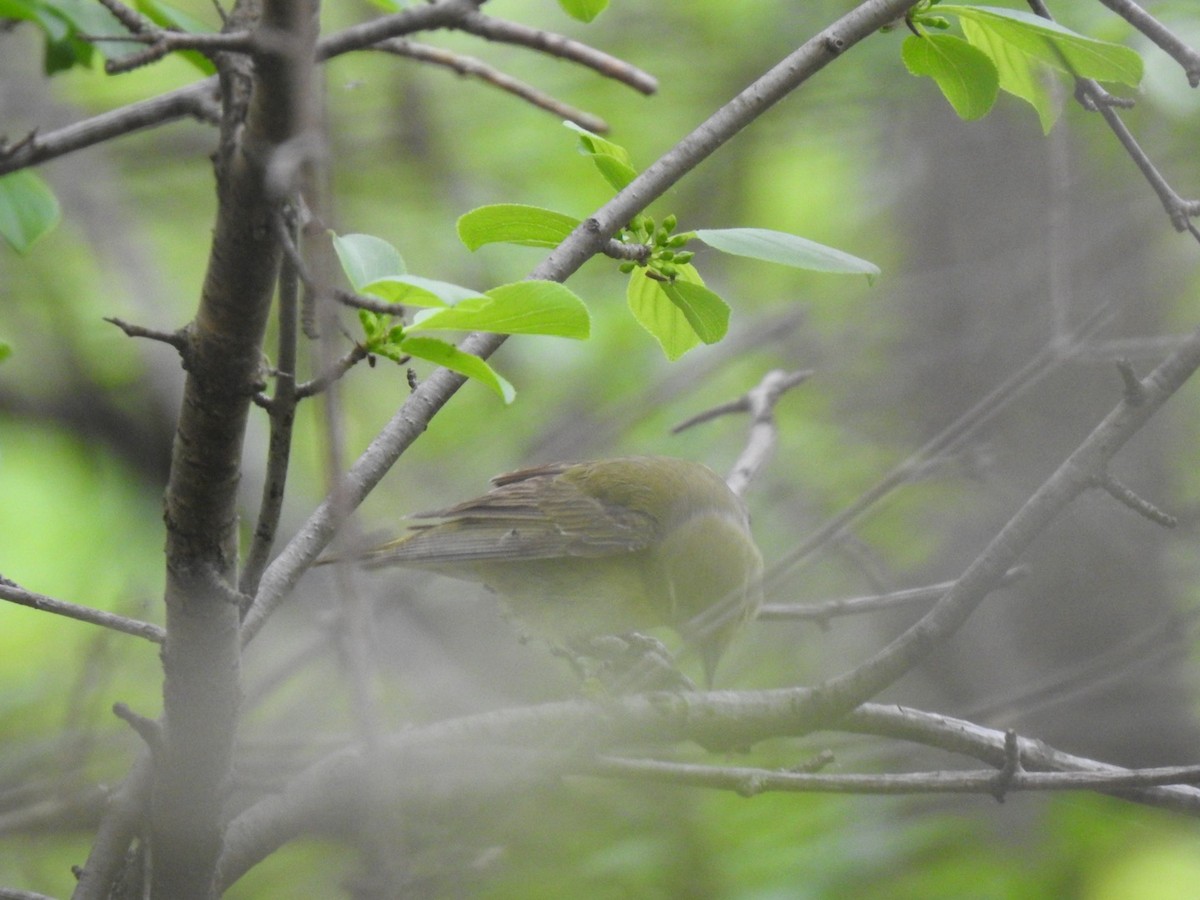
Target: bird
x: 583, y: 550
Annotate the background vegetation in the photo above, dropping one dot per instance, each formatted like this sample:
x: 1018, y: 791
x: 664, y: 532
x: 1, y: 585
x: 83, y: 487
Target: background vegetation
x: 995, y: 242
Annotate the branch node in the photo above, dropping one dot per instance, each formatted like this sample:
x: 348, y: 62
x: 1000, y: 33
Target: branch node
x: 834, y: 43
x: 638, y: 253
x: 1127, y: 497
x: 1011, y: 767
x: 1135, y: 391
x: 8, y: 150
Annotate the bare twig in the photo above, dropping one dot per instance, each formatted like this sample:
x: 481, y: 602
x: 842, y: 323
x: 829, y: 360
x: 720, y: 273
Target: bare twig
x: 198, y: 100
x: 282, y: 410
x: 760, y: 403
x: 491, y: 29
x: 14, y: 594
x: 162, y: 41
x: 469, y: 66
x: 177, y: 339
x: 1126, y: 496
x: 149, y: 730
x: 340, y: 367
x: 853, y: 606
x: 1093, y: 97
x: 748, y: 782
x: 1166, y: 39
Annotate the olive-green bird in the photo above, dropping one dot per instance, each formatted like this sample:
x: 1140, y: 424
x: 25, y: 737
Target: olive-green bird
x: 581, y: 550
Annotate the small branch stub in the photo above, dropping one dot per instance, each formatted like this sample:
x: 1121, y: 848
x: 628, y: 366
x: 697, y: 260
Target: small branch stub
x: 148, y: 729
x: 1135, y: 392
x: 1127, y: 497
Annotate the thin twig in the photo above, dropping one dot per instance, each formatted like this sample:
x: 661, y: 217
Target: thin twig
x: 161, y: 41
x: 748, y: 782
x: 1093, y: 97
x: 492, y: 29
x: 111, y: 621
x: 760, y: 402
x: 340, y: 367
x: 177, y: 339
x: 853, y: 606
x: 1166, y: 39
x: 282, y: 411
x: 1053, y: 355
x: 469, y: 66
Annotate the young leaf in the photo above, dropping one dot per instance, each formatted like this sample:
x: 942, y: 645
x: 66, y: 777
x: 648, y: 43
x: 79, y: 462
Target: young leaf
x: 365, y: 258
x: 590, y: 142
x: 28, y: 209
x: 514, y: 223
x: 61, y: 21
x: 786, y: 249
x: 618, y: 174
x: 1019, y: 73
x: 414, y: 290
x: 965, y: 74
x: 524, y: 307
x: 705, y: 311
x: 445, y: 354
x: 666, y: 320
x: 1051, y: 43
x: 583, y: 10
x: 610, y: 158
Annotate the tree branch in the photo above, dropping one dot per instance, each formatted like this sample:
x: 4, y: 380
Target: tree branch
x: 469, y: 66
x: 15, y: 594
x: 1076, y: 474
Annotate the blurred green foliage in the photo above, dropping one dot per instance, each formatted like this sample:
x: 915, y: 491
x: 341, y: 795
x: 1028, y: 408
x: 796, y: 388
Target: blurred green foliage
x: 412, y: 149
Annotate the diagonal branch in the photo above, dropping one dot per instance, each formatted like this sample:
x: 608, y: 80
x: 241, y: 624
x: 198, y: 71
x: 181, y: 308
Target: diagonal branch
x: 1078, y: 473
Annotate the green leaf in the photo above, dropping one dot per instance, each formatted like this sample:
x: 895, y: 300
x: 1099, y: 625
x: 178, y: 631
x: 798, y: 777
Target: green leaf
x: 366, y: 259
x: 514, y: 223
x: 62, y: 21
x: 590, y: 142
x: 658, y: 313
x: 168, y: 16
x: 1052, y: 44
x: 525, y: 307
x: 1020, y: 74
x: 445, y: 354
x: 28, y: 209
x: 5, y: 350
x: 583, y: 10
x: 965, y: 74
x: 786, y: 249
x: 414, y: 290
x: 615, y: 172
x: 706, y: 312
x: 610, y: 158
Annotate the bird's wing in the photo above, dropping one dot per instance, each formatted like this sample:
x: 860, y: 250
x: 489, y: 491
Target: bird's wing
x: 529, y: 514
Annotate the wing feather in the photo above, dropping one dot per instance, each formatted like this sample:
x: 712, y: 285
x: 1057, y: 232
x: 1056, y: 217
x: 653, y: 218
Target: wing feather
x: 529, y: 514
